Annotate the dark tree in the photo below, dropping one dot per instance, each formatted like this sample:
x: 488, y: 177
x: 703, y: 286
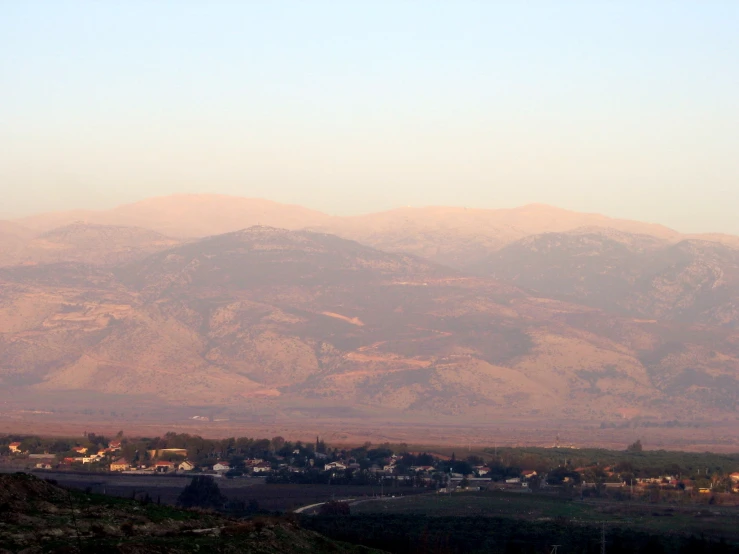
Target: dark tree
x: 202, y: 492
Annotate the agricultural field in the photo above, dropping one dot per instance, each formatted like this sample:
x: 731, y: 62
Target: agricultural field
x: 715, y: 521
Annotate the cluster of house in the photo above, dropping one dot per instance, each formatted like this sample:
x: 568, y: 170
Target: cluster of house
x: 665, y: 481
x: 389, y: 467
x: 81, y: 455
x: 85, y: 457
x: 219, y: 467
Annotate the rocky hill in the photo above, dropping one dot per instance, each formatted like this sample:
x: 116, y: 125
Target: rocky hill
x: 89, y: 244
x: 692, y: 281
x: 460, y: 237
x: 453, y: 236
x: 284, y: 320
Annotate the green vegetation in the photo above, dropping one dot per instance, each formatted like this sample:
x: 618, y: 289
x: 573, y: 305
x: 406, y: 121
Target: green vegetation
x: 716, y: 521
x: 421, y: 534
x: 646, y: 462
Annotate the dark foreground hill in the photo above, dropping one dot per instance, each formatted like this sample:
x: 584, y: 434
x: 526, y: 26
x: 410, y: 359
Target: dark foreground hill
x: 39, y: 517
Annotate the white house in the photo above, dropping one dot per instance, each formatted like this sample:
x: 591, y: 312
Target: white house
x: 186, y: 466
x: 262, y: 468
x: 221, y: 466
x: 422, y: 469
x: 334, y: 465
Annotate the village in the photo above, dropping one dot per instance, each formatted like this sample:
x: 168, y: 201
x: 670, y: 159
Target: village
x: 279, y: 461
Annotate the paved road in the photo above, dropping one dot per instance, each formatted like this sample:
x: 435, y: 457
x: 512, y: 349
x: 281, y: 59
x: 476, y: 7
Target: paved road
x: 351, y: 501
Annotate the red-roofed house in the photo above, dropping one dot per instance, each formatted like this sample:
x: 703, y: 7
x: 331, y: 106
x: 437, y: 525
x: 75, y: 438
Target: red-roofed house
x: 262, y: 467
x: 164, y: 467
x: 120, y: 465
x: 15, y: 447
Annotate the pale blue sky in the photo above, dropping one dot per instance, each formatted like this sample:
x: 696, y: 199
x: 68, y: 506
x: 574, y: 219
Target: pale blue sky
x: 624, y: 108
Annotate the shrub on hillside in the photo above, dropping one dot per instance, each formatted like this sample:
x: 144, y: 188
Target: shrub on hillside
x: 335, y: 508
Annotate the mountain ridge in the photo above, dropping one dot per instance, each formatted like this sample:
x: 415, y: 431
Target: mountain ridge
x: 454, y: 236
x: 274, y: 319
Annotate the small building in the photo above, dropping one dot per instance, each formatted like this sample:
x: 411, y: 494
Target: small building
x: 114, y: 445
x: 44, y: 465
x: 121, y: 464
x: 15, y: 447
x: 262, y: 468
x: 614, y: 485
x: 42, y: 456
x: 221, y: 467
x: 334, y: 466
x: 422, y: 469
x: 513, y: 480
x: 159, y: 452
x: 186, y: 466
x: 164, y: 467
x: 80, y: 449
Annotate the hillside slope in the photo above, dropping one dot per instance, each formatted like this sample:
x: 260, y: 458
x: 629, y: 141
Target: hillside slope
x: 460, y: 237
x: 692, y: 281
x: 12, y: 239
x: 280, y: 320
x: 39, y: 516
x: 90, y: 244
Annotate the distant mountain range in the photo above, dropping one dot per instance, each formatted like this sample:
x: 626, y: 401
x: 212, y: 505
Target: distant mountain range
x: 536, y: 312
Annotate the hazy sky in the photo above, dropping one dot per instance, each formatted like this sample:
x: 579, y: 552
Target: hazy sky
x: 624, y: 108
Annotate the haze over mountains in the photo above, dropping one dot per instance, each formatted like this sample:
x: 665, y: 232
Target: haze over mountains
x: 534, y: 312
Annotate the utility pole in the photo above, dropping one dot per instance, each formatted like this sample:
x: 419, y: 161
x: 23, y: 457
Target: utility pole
x: 603, y: 538
x: 74, y: 521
